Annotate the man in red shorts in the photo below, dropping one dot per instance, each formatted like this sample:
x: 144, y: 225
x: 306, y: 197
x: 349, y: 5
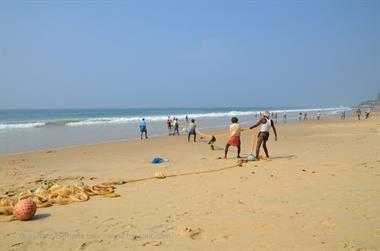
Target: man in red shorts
x: 235, y: 131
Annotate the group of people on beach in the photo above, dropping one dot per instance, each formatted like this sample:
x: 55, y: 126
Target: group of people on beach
x: 359, y: 113
x: 301, y: 115
x: 262, y: 137
x: 173, y: 127
x: 235, y: 131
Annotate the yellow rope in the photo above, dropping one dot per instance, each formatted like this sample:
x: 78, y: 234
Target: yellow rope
x: 60, y: 197
x: 63, y: 195
x: 254, y: 138
x: 239, y: 164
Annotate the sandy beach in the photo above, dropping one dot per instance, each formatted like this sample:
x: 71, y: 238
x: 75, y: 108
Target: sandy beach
x: 320, y: 192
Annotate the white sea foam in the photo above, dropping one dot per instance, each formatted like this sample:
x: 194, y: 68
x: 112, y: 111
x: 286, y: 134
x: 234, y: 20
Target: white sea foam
x: 21, y: 125
x: 157, y: 118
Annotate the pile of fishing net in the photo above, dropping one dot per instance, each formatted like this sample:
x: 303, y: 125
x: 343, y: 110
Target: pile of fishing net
x: 50, y: 193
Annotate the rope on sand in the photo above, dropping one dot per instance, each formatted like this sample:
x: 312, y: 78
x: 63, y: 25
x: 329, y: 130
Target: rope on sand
x: 62, y: 195
x: 161, y: 176
x: 254, y: 138
x: 55, y: 194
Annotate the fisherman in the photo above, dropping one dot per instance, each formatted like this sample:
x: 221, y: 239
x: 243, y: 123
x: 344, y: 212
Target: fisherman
x: 284, y: 116
x: 367, y: 113
x: 343, y: 115
x: 143, y: 128
x: 263, y: 136
x: 192, y: 130
x: 358, y: 113
x: 175, y: 126
x: 169, y: 124
x: 234, y: 140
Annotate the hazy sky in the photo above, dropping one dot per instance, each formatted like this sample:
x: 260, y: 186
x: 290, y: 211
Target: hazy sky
x: 168, y: 54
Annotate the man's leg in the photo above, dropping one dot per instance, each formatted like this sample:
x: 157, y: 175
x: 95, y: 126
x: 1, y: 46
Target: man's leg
x: 195, y: 137
x: 265, y: 148
x: 238, y: 155
x: 259, y: 142
x: 226, y: 151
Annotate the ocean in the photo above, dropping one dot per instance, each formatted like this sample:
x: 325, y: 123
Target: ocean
x: 38, y: 129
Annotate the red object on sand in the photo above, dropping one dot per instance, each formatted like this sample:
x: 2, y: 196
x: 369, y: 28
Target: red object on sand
x: 24, y: 209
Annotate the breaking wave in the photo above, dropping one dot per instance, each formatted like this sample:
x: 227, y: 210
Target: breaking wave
x: 156, y: 118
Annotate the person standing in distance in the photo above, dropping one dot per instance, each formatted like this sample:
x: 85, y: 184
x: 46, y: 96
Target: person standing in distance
x: 143, y: 129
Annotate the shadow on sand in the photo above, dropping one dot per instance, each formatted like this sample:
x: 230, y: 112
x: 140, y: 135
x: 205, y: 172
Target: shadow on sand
x: 40, y: 216
x: 289, y: 157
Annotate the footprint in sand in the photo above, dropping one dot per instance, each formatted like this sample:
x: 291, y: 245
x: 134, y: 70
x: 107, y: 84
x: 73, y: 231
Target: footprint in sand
x: 194, y: 233
x: 329, y: 224
x: 152, y: 243
x: 84, y: 245
x: 351, y: 247
x: 17, y: 244
x: 108, y: 224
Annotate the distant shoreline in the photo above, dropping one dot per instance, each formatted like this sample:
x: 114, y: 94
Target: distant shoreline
x: 223, y: 125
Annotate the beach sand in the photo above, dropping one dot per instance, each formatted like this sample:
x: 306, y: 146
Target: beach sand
x: 320, y: 192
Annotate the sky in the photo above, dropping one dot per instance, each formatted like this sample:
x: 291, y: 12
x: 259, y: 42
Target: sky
x: 121, y: 54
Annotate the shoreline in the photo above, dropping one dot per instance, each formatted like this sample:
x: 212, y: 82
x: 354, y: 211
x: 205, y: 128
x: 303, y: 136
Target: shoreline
x: 107, y: 126
x: 211, y: 129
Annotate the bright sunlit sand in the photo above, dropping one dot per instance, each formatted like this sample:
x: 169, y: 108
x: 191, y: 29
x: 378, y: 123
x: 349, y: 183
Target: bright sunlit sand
x: 320, y: 192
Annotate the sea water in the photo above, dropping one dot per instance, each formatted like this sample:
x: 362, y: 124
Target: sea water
x: 38, y: 129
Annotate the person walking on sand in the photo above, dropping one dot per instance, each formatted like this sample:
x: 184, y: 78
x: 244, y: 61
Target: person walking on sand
x: 234, y: 140
x: 300, y: 116
x: 367, y: 113
x: 343, y: 115
x: 305, y: 116
x: 143, y: 129
x: 169, y: 124
x: 263, y: 135
x: 192, y: 130
x: 175, y: 126
x: 358, y: 113
x: 284, y: 116
x: 318, y: 115
x: 187, y: 120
